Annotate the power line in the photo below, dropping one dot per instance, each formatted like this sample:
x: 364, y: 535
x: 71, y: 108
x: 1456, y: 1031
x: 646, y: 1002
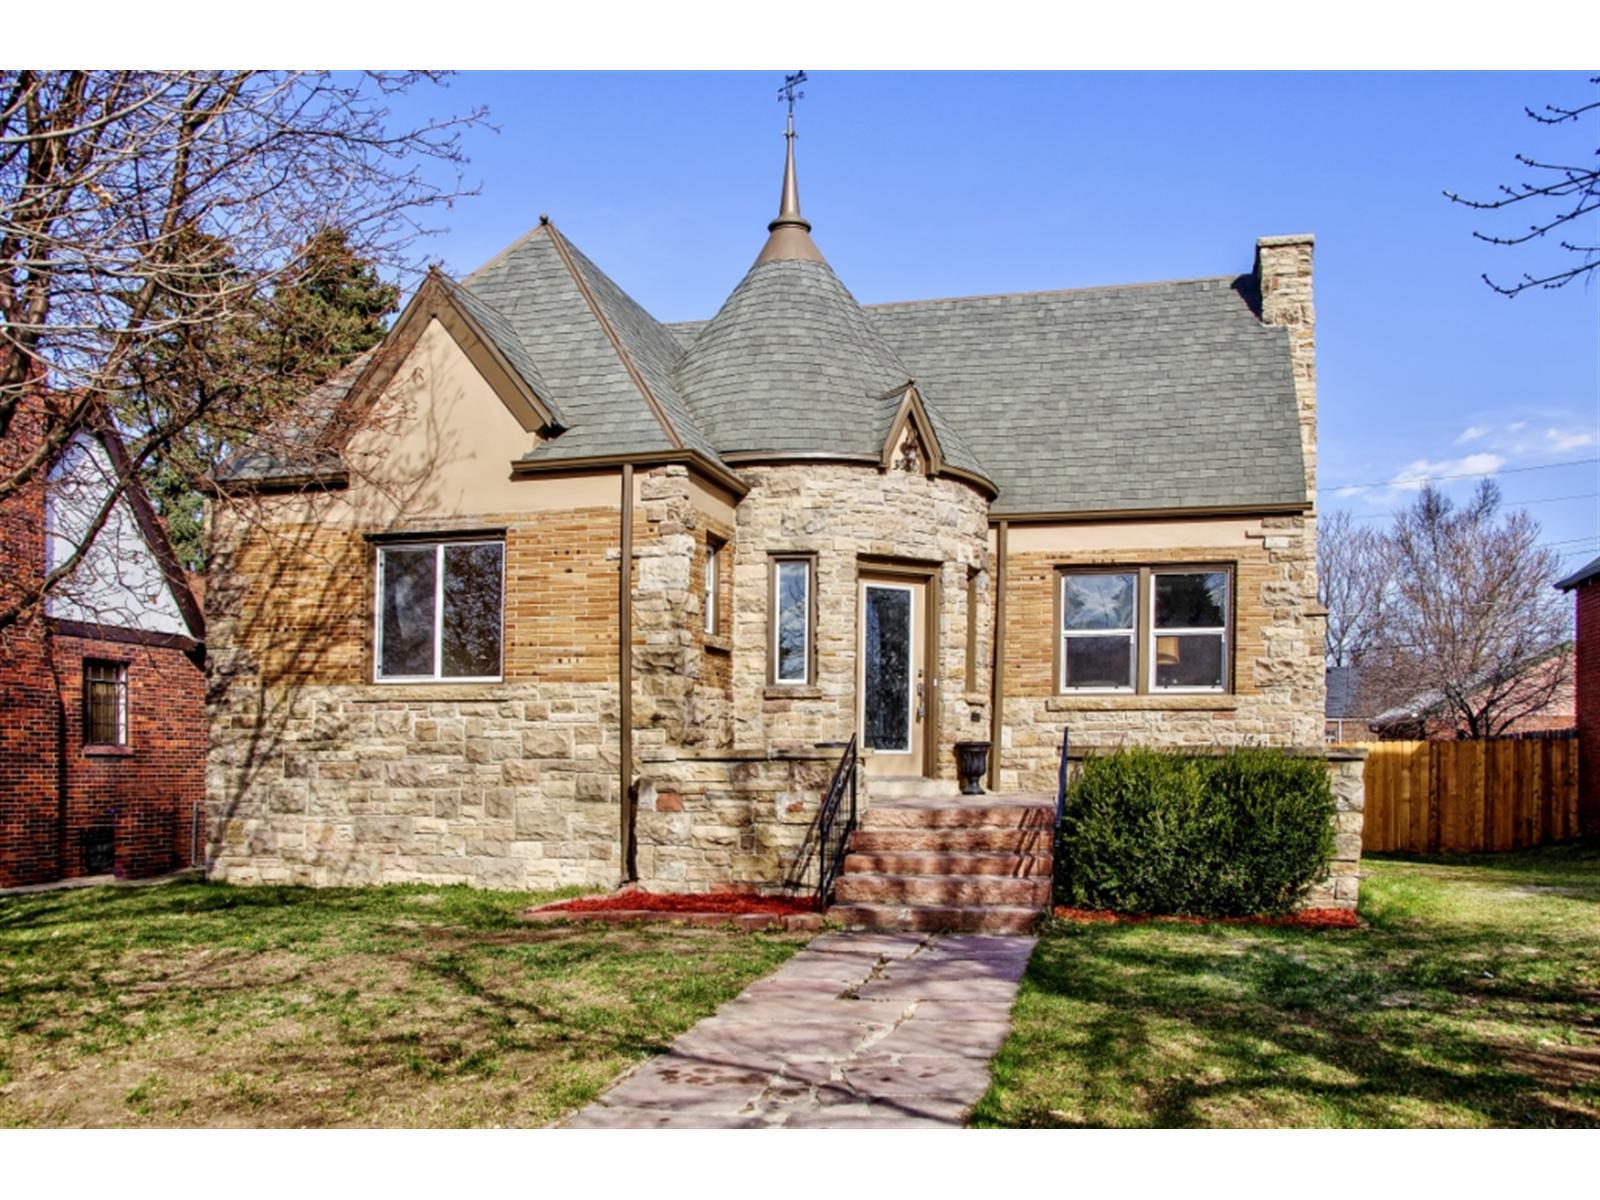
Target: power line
x: 1517, y: 504
x: 1403, y: 480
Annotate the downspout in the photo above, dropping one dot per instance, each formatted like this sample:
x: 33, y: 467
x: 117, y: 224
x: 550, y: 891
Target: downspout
x: 630, y: 870
x: 998, y: 675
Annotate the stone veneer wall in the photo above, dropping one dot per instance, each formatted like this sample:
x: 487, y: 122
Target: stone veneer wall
x: 317, y: 775
x: 1277, y: 660
x: 841, y: 513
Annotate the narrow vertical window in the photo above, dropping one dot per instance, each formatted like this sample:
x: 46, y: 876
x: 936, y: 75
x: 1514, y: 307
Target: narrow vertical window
x: 711, y: 583
x: 440, y: 610
x: 972, y: 629
x: 105, y: 703
x: 1189, y: 630
x: 1097, y: 632
x: 791, y: 641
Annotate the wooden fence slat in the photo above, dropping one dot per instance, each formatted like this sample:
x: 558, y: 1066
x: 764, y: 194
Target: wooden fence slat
x: 1491, y: 794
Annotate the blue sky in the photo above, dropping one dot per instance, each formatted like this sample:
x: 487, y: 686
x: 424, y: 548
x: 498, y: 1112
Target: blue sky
x: 922, y: 184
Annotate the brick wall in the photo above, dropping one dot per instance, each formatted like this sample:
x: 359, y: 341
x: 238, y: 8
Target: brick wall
x: 1588, y: 706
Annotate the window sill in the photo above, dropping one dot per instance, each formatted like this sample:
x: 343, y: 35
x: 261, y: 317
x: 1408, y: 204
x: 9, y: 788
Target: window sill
x: 716, y: 643
x: 1178, y: 702
x: 108, y: 751
x: 793, y: 691
x: 384, y: 693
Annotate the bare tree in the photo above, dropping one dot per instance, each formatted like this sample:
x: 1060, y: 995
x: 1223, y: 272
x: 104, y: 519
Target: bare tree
x: 1474, y: 612
x: 142, y: 211
x: 1561, y: 193
x: 1355, y: 579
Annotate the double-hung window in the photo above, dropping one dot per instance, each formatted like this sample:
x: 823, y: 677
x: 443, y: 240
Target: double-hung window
x: 793, y: 623
x: 439, y: 611
x: 105, y: 703
x: 1144, y: 629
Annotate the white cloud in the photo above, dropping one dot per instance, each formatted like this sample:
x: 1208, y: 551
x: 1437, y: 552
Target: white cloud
x: 1569, y: 439
x: 1413, y: 475
x: 1471, y: 434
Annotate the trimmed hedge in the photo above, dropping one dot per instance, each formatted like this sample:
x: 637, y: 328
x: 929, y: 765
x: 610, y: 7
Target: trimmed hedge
x: 1238, y: 834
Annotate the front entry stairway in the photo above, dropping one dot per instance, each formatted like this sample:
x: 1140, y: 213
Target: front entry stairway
x: 967, y: 864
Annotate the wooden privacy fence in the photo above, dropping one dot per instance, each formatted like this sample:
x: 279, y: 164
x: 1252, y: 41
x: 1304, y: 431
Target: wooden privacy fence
x: 1494, y: 794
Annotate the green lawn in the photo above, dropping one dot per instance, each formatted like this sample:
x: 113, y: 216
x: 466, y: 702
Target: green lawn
x: 201, y: 1004
x: 1473, y: 999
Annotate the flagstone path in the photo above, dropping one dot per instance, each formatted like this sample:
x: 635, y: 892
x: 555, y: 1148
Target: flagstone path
x: 858, y: 1030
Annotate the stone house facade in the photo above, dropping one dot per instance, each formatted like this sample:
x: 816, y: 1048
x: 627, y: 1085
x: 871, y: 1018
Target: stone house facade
x: 102, y: 750
x: 543, y: 591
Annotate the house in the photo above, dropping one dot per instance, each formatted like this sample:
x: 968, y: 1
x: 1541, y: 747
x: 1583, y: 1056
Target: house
x: 802, y: 521
x: 1347, y: 711
x: 1585, y: 582
x: 1539, y: 690
x: 102, y: 750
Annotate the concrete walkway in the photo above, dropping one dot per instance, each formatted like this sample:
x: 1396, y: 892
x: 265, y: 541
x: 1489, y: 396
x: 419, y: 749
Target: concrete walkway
x: 856, y: 1031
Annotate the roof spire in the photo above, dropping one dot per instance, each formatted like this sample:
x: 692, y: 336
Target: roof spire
x: 790, y: 231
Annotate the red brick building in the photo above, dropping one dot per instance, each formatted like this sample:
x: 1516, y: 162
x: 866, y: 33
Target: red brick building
x: 102, y: 689
x: 1586, y: 583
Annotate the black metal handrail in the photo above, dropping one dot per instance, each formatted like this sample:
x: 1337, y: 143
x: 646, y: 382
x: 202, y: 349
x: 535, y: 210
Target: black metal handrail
x: 833, y: 835
x: 1061, y: 782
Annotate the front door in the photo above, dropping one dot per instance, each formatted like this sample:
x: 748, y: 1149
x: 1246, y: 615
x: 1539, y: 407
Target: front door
x: 892, y: 675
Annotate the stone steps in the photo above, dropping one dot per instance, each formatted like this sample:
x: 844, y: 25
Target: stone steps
x: 1018, y: 865
x: 941, y: 890
x: 955, y: 864
x: 924, y: 918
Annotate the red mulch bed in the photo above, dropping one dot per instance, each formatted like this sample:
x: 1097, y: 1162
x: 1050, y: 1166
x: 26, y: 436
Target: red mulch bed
x: 1306, y: 918
x: 742, y: 903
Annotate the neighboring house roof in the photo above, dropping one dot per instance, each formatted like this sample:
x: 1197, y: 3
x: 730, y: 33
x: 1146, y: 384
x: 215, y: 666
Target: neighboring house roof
x: 1160, y: 396
x: 1432, y: 702
x: 1581, y: 576
x: 1344, y: 694
x: 129, y: 578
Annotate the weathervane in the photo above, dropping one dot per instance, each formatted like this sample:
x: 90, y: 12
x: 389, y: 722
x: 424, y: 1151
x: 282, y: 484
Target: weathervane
x: 790, y: 92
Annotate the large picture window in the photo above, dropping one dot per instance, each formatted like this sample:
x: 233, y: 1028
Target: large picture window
x: 792, y: 607
x: 439, y: 611
x: 1144, y: 629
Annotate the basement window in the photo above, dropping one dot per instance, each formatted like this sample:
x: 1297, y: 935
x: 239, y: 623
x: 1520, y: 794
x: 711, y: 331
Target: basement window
x: 439, y: 612
x: 105, y: 703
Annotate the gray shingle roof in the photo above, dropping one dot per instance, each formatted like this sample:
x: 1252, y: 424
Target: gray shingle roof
x: 791, y: 364
x: 1581, y: 576
x: 506, y: 339
x: 1151, y: 396
x: 296, y: 446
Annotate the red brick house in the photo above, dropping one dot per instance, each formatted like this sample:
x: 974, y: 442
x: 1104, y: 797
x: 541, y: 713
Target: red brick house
x: 102, y: 741
x: 1586, y: 583
x: 1543, y: 685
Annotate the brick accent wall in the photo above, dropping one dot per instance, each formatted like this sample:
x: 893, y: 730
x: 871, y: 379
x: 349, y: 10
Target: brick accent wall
x: 1588, y: 707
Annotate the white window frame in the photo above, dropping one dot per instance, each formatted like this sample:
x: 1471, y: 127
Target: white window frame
x: 712, y: 587
x: 806, y: 565
x: 438, y: 612
x: 1220, y: 631
x: 1064, y: 635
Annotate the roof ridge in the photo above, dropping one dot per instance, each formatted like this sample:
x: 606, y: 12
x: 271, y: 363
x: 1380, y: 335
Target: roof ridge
x: 1097, y: 287
x: 559, y: 241
x: 506, y: 251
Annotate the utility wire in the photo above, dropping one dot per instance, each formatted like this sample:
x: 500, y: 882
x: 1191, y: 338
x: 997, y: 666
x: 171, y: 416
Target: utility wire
x: 1516, y: 504
x: 1403, y: 480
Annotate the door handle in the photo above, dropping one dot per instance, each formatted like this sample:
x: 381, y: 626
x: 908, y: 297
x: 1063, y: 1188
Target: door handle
x: 920, y: 695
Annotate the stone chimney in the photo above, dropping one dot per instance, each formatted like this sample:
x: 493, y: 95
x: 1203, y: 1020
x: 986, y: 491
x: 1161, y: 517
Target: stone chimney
x: 1283, y: 272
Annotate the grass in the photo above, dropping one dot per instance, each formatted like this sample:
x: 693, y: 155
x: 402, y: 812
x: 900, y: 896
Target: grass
x: 203, y: 1004
x: 1472, y: 1000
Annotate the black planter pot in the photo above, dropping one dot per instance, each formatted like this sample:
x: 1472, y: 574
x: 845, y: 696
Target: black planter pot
x: 972, y: 763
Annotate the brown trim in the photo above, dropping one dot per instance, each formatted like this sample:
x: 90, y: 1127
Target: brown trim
x: 630, y: 870
x: 270, y: 485
x: 1083, y: 516
x: 89, y: 631
x: 692, y: 459
x: 778, y: 458
x: 436, y: 535
x: 888, y: 564
x: 774, y: 557
x: 997, y: 682
x: 911, y: 411
x: 560, y: 243
x: 971, y: 679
